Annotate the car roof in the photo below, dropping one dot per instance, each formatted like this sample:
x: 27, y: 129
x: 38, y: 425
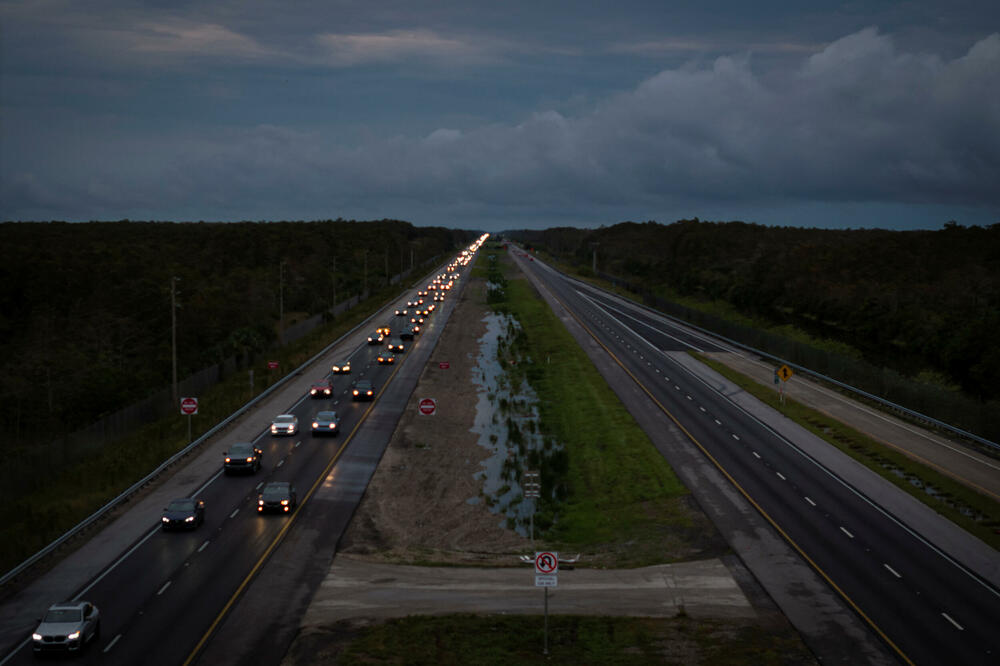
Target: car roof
x: 326, y: 414
x: 277, y: 485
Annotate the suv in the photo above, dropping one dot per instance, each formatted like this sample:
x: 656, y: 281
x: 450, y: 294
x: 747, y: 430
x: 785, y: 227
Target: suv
x: 242, y: 457
x: 277, y: 496
x: 67, y: 627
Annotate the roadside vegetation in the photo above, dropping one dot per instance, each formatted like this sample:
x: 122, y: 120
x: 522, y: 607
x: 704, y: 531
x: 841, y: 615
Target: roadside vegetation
x: 606, y: 491
x: 974, y: 512
x: 502, y: 640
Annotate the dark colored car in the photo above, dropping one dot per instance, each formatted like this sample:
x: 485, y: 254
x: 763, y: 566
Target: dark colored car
x: 363, y: 390
x: 396, y: 346
x: 321, y: 389
x: 386, y: 358
x: 401, y: 312
x: 409, y: 332
x: 342, y: 368
x: 67, y: 627
x: 185, y: 514
x: 375, y: 338
x: 277, y: 496
x: 326, y: 423
x: 242, y: 457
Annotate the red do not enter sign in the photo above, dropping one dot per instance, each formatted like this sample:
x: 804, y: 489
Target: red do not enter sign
x: 189, y: 406
x: 427, y: 406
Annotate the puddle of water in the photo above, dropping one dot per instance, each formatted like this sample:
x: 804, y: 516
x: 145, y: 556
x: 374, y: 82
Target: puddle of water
x: 507, y: 424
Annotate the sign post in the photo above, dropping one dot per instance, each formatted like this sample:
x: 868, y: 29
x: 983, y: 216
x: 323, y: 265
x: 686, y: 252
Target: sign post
x: 189, y: 407
x: 546, y: 575
x: 532, y: 490
x: 784, y: 373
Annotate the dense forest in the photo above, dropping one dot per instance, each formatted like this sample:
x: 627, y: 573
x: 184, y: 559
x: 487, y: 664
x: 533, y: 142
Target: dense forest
x: 924, y: 303
x: 85, y: 308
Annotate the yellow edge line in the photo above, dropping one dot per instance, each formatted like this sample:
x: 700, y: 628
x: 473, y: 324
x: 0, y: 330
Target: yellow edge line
x: 740, y: 488
x: 284, y: 530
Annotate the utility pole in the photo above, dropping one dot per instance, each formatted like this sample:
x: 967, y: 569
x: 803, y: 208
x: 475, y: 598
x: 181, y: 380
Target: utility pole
x: 365, y: 290
x: 281, y: 302
x: 387, y: 266
x: 334, y: 285
x: 173, y: 334
x: 411, y: 259
x: 594, y: 264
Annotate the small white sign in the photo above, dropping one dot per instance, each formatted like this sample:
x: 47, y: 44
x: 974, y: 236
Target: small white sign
x: 546, y: 581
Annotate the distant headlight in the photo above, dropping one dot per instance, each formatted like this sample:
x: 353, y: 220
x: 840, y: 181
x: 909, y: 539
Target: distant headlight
x: 312, y: 391
x: 36, y: 637
x: 189, y: 519
x: 315, y: 424
x: 274, y: 428
x: 260, y: 502
x: 369, y: 393
x: 355, y: 391
x: 250, y: 459
x: 165, y: 519
x: 75, y: 635
x: 284, y: 502
x: 333, y: 425
x: 228, y: 460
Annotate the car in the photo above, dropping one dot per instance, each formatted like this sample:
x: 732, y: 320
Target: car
x: 187, y: 513
x: 277, y: 496
x: 342, y: 368
x: 321, y: 389
x: 363, y: 390
x: 396, y: 345
x: 421, y: 293
x: 412, y: 304
x: 386, y: 358
x: 326, y: 423
x: 419, y: 319
x: 67, y: 627
x: 401, y: 312
x: 242, y: 457
x: 409, y: 332
x: 376, y: 338
x: 385, y: 330
x: 285, y: 424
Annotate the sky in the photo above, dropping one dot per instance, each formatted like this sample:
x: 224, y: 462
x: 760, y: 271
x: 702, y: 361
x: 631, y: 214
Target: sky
x: 502, y: 115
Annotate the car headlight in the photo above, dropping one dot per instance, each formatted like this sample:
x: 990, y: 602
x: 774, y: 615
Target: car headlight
x: 228, y: 460
x: 189, y: 519
x: 355, y: 391
x: 312, y: 391
x: 333, y: 425
x: 75, y: 635
x: 315, y: 424
x: 250, y: 459
x: 369, y: 392
x: 165, y: 519
x: 36, y: 637
x: 274, y: 428
x: 284, y: 502
x: 260, y: 502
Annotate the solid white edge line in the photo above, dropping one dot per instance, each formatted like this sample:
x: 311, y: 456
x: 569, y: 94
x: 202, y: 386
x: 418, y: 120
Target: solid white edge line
x: 955, y: 624
x: 112, y: 643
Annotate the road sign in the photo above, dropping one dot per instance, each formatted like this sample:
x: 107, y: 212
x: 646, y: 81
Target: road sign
x: 272, y: 365
x: 444, y: 365
x: 427, y: 406
x: 546, y: 563
x: 189, y: 406
x: 785, y: 373
x: 546, y: 581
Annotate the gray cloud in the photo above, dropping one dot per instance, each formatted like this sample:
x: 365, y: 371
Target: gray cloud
x: 858, y: 121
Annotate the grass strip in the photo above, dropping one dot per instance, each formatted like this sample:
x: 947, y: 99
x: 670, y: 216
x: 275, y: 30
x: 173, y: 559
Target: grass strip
x: 950, y: 498
x: 499, y: 640
x: 623, y: 504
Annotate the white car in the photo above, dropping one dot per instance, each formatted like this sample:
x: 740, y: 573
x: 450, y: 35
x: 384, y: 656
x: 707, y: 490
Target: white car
x: 67, y: 627
x: 285, y: 424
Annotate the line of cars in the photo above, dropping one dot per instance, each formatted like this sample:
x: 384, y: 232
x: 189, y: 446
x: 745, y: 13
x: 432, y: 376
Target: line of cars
x: 68, y: 627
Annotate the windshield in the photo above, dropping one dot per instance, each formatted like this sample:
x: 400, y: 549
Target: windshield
x: 181, y: 505
x: 284, y: 419
x: 240, y: 450
x: 275, y: 493
x: 326, y: 416
x: 64, y: 615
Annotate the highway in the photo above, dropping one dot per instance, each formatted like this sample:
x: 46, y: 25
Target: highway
x: 162, y: 597
x: 923, y: 605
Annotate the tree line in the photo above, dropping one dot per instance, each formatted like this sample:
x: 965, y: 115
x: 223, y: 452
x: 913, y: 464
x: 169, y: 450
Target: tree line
x: 924, y: 303
x: 85, y: 308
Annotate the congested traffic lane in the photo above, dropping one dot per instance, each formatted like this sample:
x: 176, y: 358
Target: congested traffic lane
x: 921, y: 603
x: 160, y: 596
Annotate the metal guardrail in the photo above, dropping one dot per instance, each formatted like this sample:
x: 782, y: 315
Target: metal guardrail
x: 806, y: 371
x: 94, y: 517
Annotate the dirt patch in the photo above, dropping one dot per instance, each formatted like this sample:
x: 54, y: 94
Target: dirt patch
x: 422, y: 504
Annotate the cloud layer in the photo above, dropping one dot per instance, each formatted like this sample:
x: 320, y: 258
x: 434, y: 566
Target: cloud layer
x: 858, y: 121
